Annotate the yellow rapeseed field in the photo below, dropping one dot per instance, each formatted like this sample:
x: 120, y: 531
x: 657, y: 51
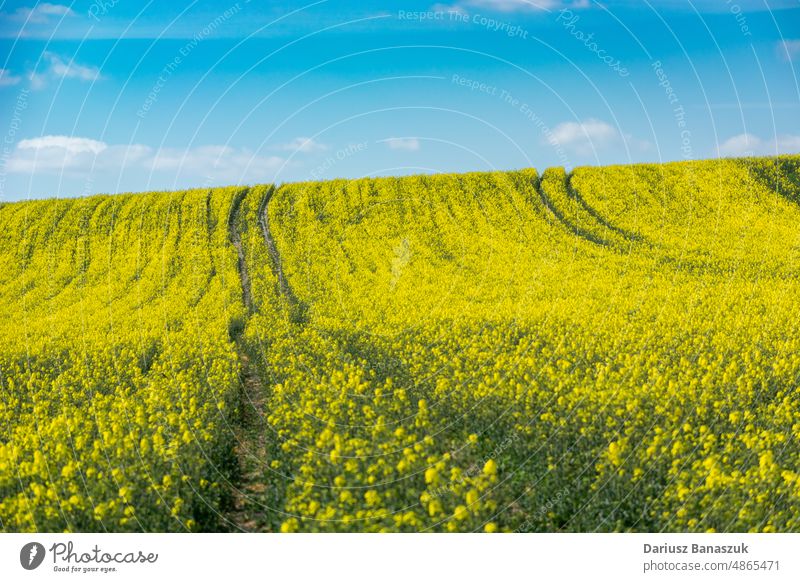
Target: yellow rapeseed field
x: 611, y: 349
x: 116, y: 367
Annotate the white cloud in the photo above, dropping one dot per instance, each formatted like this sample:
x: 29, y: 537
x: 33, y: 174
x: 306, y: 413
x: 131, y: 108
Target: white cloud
x: 584, y: 137
x: 58, y: 68
x: 511, y: 5
x: 7, y: 78
x: 402, y: 143
x: 54, y: 154
x: 221, y: 161
x: 456, y: 8
x: 714, y: 6
x: 705, y: 6
x: 304, y: 145
x: 72, y: 145
x: 42, y: 20
x: 740, y: 145
x: 42, y: 12
x: 747, y: 144
x: 71, y: 69
x: 787, y: 144
x: 788, y: 50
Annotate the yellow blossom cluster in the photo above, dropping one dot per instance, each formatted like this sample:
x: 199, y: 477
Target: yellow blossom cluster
x: 609, y: 349
x: 117, y: 373
x: 628, y: 335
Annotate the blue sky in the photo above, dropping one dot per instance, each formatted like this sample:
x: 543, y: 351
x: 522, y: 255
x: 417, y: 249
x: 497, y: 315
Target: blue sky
x: 117, y: 96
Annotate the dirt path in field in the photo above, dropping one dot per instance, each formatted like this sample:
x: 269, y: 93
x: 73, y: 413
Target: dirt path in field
x: 236, y: 240
x: 250, y: 503
x: 297, y: 308
x: 252, y: 499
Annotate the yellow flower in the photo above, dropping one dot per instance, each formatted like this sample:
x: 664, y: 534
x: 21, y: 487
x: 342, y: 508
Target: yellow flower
x: 460, y: 513
x: 431, y: 475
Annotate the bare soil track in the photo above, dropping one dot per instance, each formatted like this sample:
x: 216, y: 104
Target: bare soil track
x: 250, y: 503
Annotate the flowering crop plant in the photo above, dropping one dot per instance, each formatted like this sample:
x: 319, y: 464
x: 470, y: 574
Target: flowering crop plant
x: 609, y: 349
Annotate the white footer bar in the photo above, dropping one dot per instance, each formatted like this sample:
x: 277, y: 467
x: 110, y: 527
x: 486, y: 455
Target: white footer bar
x: 355, y: 557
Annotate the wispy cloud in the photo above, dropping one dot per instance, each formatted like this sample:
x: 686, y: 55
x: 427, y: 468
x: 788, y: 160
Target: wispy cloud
x: 57, y: 68
x: 747, y: 144
x: 305, y: 145
x: 8, y: 79
x: 714, y: 6
x: 583, y: 137
x: 788, y: 50
x: 71, y: 69
x: 60, y: 153
x: 56, y: 154
x: 586, y: 137
x: 70, y: 145
x: 235, y: 164
x: 36, y: 20
x: 41, y: 12
x: 512, y: 5
x: 410, y: 144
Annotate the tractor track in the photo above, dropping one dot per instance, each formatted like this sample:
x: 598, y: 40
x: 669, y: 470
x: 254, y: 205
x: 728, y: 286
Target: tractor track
x: 249, y: 493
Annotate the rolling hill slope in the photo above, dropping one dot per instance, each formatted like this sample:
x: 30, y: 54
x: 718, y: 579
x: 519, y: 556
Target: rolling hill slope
x: 614, y: 348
